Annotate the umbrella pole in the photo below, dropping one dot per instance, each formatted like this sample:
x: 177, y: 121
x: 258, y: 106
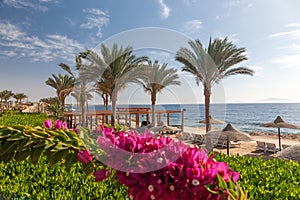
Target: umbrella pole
x: 228, y: 145
x: 279, y: 139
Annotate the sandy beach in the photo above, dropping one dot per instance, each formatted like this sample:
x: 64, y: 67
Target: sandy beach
x: 249, y: 148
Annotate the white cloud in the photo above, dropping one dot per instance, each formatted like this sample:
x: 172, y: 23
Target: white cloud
x: 234, y: 3
x: 294, y: 25
x: 288, y: 61
x: 293, y: 33
x: 165, y: 10
x: 290, y: 50
x: 234, y: 37
x: 15, y: 42
x: 24, y: 4
x: 96, y: 18
x: 192, y: 27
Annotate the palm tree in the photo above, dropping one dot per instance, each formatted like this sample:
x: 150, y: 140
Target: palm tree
x: 156, y: 78
x: 116, y: 66
x: 211, y: 65
x: 2, y: 95
x: 63, y: 84
x: 81, y: 91
x: 19, y: 97
x: 5, y: 95
x: 49, y: 100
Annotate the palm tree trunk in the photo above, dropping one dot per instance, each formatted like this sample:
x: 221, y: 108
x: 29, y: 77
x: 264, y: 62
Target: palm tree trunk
x: 114, y: 109
x: 153, y: 100
x: 207, y: 94
x: 106, y: 107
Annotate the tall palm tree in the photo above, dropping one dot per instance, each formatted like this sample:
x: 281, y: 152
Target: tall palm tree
x: 5, y: 95
x: 81, y: 91
x: 211, y: 65
x: 19, y: 97
x: 49, y: 100
x: 156, y: 78
x: 116, y: 66
x: 63, y: 84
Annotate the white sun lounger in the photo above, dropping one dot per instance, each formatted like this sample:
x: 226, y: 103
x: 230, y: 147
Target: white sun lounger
x: 261, y: 146
x: 271, y: 147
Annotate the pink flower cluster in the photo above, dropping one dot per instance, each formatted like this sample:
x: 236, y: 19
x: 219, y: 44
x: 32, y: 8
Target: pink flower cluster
x: 58, y: 124
x: 137, y: 153
x: 160, y: 168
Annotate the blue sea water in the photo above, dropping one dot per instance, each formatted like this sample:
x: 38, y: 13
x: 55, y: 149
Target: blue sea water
x: 245, y: 117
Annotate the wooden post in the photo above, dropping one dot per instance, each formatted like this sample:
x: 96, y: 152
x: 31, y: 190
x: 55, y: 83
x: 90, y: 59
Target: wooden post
x: 182, y: 120
x: 137, y: 120
x: 168, y: 119
x: 147, y: 118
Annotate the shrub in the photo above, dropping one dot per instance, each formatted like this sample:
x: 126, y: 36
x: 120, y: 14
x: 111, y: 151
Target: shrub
x: 43, y: 181
x: 266, y: 179
x: 18, y: 118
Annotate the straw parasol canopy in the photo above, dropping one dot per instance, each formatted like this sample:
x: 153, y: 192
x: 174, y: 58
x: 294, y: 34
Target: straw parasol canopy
x: 291, y: 153
x: 164, y: 128
x: 212, y: 121
x: 231, y: 134
x: 279, y: 123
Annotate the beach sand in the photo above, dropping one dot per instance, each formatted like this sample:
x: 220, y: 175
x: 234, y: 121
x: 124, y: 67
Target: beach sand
x: 249, y: 148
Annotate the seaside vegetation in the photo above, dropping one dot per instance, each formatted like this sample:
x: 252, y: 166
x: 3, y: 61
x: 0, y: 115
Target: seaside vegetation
x: 259, y: 178
x: 10, y: 118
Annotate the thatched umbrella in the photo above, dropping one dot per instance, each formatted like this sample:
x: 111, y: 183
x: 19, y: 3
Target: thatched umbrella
x: 279, y: 123
x: 291, y: 153
x: 164, y: 128
x: 231, y: 133
x: 212, y: 121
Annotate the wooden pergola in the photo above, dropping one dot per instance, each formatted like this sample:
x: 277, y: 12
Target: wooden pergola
x: 127, y: 114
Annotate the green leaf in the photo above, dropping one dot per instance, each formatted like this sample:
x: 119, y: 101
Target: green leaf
x: 22, y: 155
x: 57, y: 156
x: 7, y: 157
x: 221, y: 182
x: 8, y: 147
x: 36, y: 153
x: 71, y: 160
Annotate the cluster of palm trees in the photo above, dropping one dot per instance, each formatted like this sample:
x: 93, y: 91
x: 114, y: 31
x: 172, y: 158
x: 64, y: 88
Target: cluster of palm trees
x: 113, y: 69
x: 6, y: 95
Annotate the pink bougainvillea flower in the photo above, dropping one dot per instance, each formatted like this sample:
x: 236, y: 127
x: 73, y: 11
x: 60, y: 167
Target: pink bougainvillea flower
x: 48, y: 123
x: 85, y: 156
x: 65, y: 125
x: 76, y: 130
x: 58, y: 124
x: 100, y: 175
x: 179, y: 171
x: 234, y: 175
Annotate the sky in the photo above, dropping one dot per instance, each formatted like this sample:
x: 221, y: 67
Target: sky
x: 37, y: 35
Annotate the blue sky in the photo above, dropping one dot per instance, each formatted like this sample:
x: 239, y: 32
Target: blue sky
x: 36, y: 35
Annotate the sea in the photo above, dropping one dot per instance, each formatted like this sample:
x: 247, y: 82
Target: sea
x: 246, y: 117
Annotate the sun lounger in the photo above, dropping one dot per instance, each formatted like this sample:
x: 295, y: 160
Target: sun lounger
x: 271, y: 147
x: 221, y: 143
x: 188, y: 136
x: 261, y: 146
x: 284, y: 146
x: 235, y: 144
